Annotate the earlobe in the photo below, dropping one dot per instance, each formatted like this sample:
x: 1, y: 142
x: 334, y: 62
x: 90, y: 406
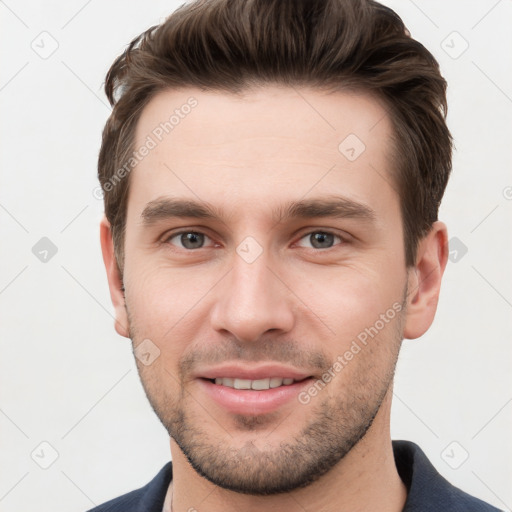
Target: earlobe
x: 425, y: 281
x: 114, y: 279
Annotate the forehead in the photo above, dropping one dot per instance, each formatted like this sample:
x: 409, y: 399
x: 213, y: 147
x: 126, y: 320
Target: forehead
x: 265, y: 145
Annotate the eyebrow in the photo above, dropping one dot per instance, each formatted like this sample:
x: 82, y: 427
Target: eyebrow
x: 332, y: 207
x: 329, y: 207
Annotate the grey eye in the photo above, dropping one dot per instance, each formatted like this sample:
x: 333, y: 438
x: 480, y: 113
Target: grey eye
x: 189, y: 239
x: 320, y: 240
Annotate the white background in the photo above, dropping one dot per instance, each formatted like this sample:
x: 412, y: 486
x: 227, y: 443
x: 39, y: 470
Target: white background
x: 65, y: 376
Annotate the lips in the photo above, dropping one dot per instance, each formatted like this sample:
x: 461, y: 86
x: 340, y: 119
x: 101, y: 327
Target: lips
x: 237, y: 371
x: 240, y: 389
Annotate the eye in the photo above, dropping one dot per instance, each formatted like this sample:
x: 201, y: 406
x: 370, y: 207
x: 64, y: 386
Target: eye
x: 320, y: 239
x: 188, y: 240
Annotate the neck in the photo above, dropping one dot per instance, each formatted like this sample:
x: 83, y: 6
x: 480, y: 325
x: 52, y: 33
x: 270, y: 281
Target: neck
x: 365, y: 480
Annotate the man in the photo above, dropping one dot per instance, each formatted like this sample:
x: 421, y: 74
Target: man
x: 272, y: 174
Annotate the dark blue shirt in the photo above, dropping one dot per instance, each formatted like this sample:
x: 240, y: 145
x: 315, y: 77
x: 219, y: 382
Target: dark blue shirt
x: 427, y: 490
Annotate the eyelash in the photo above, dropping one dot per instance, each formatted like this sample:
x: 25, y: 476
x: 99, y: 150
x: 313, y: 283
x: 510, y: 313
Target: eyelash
x: 168, y: 238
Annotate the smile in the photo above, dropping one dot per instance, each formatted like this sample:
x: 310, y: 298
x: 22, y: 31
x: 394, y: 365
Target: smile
x: 258, y: 384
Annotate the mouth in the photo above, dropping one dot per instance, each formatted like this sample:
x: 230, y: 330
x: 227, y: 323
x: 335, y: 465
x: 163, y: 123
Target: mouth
x: 253, y: 390
x: 254, y: 384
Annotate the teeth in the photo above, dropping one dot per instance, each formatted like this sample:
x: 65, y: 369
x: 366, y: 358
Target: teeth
x: 242, y: 384
x: 275, y: 382
x: 259, y: 384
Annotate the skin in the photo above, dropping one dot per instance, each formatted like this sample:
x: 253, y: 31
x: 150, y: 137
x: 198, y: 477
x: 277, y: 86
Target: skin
x: 296, y: 304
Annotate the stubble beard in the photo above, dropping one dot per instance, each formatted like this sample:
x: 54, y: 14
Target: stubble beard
x: 337, y: 423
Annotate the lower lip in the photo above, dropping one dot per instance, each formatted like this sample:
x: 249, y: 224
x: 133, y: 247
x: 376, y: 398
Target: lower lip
x: 252, y: 402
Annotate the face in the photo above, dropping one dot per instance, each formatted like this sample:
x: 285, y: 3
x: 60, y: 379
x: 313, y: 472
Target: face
x: 264, y: 269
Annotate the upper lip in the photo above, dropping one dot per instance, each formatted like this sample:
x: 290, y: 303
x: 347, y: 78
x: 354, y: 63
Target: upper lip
x: 253, y: 372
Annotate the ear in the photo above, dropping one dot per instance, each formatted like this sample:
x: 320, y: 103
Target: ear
x: 424, y: 282
x: 114, y: 279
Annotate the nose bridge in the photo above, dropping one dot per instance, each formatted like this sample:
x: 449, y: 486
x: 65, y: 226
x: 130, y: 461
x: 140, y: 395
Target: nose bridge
x: 252, y: 300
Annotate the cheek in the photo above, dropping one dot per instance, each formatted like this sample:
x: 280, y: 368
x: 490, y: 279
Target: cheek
x: 347, y: 299
x: 162, y: 299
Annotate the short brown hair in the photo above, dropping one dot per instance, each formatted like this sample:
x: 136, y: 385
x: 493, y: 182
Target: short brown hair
x: 232, y: 45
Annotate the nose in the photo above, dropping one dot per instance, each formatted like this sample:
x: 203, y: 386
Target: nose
x: 252, y: 301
